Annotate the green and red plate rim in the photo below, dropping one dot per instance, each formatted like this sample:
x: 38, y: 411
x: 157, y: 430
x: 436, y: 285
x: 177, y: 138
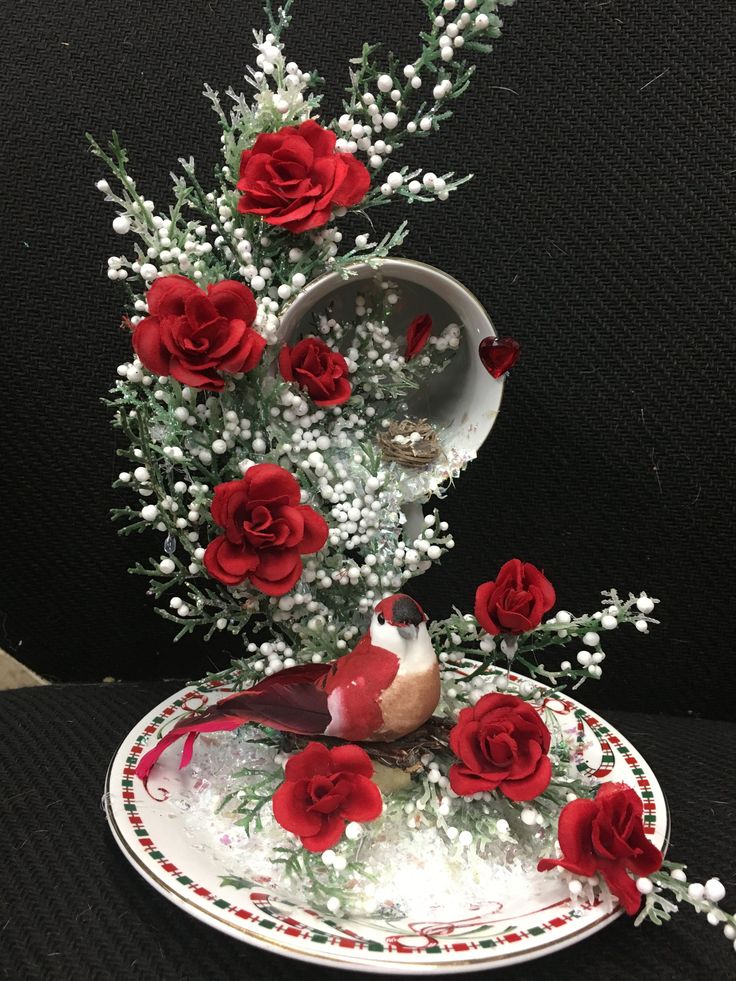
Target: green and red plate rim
x: 127, y: 804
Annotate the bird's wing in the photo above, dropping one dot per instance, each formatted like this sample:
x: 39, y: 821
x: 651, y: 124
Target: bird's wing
x: 371, y: 668
x: 299, y: 674
x: 290, y: 700
x: 354, y: 685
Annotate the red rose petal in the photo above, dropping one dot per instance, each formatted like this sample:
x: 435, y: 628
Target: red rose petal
x: 417, y: 335
x: 322, y: 141
x: 233, y: 300
x: 288, y: 810
x: 277, y: 587
x: 189, y: 375
x: 329, y: 835
x: 355, y: 183
x: 351, y: 759
x: 364, y: 802
x: 621, y: 885
x: 277, y: 564
x: 316, y: 531
x: 167, y: 294
x: 466, y: 783
x: 574, y: 831
x: 267, y: 481
x: 147, y: 345
x: 226, y: 562
x: 531, y: 786
x: 285, y: 363
x: 326, y: 795
x: 483, y: 595
x: 314, y: 759
x: 513, y: 622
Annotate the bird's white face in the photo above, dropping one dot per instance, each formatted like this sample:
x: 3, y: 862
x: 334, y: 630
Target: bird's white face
x: 411, y: 644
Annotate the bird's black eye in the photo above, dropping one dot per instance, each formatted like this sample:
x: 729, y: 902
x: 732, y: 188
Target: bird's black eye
x: 381, y: 618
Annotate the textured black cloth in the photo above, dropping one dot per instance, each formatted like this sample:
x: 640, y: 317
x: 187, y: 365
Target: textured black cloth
x: 598, y: 231
x: 72, y: 907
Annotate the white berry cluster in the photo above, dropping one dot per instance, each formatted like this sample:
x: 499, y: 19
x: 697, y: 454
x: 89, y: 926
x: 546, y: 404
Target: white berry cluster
x: 180, y: 443
x: 459, y: 636
x: 183, y: 442
x: 389, y: 103
x: 205, y: 238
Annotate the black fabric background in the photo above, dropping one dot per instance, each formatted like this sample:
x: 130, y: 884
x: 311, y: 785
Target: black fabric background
x: 73, y: 909
x: 598, y: 231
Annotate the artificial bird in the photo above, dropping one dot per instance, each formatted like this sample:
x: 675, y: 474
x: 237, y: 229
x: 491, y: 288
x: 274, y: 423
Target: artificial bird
x: 385, y: 688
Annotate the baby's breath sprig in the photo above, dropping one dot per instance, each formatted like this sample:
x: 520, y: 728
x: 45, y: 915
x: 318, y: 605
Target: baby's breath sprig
x: 703, y: 897
x: 178, y: 444
x: 204, y: 236
x: 460, y: 636
x: 397, y: 103
x: 327, y: 875
x: 248, y: 805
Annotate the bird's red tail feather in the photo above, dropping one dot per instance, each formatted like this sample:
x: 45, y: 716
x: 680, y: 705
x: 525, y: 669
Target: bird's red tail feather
x: 289, y: 700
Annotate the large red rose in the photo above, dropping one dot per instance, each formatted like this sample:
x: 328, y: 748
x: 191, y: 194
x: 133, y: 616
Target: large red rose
x: 296, y: 178
x: 314, y: 366
x: 515, y: 601
x: 606, y: 835
x: 417, y: 335
x: 502, y: 744
x: 265, y: 530
x: 196, y: 337
x: 323, y: 789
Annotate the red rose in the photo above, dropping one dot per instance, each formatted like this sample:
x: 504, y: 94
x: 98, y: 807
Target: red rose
x: 314, y: 366
x: 196, y: 336
x: 296, y: 178
x: 606, y: 835
x: 265, y: 530
x: 502, y: 744
x: 417, y: 335
x: 516, y: 601
x: 323, y: 789
x: 499, y: 354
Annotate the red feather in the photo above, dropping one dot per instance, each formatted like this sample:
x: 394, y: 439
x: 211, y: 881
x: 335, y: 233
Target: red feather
x: 289, y: 700
x: 355, y: 684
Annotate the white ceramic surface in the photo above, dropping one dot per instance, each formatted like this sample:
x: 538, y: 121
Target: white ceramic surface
x: 515, y: 925
x: 462, y: 401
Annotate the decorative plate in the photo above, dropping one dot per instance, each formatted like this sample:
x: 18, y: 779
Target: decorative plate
x: 515, y: 925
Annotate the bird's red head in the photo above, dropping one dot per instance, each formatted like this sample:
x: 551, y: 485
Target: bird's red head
x: 400, y: 610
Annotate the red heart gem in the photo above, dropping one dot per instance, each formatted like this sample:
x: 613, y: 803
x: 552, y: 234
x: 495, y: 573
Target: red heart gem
x: 498, y: 354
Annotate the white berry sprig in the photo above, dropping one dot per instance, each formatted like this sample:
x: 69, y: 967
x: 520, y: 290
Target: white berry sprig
x: 703, y: 897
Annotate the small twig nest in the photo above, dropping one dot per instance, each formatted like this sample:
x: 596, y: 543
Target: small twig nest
x: 401, y: 754
x: 411, y: 443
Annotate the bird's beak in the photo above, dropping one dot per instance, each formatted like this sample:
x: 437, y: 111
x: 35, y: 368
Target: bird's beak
x: 408, y: 631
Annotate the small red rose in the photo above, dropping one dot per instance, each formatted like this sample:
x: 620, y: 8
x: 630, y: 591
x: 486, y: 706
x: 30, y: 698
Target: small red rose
x: 196, y: 337
x: 315, y: 367
x: 323, y: 789
x: 606, y: 835
x: 515, y: 601
x: 295, y: 178
x: 266, y: 530
x: 502, y: 744
x: 499, y: 354
x: 417, y: 335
